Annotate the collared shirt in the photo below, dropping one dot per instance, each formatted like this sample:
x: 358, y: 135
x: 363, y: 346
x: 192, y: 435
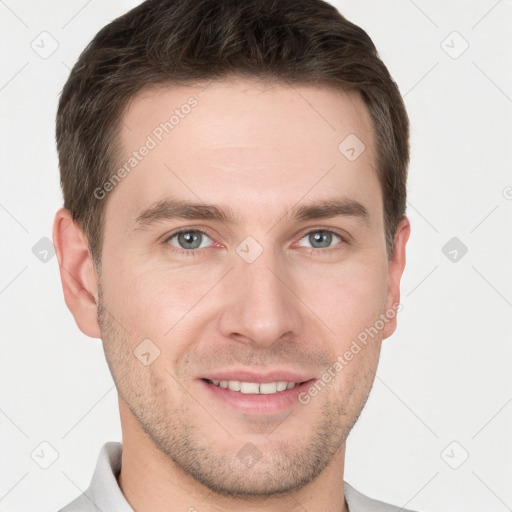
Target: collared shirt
x: 104, y: 494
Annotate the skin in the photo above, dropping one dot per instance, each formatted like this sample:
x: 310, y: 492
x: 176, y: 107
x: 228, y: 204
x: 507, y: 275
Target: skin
x: 260, y: 149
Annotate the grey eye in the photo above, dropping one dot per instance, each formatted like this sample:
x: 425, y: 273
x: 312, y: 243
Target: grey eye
x: 192, y: 239
x: 321, y: 239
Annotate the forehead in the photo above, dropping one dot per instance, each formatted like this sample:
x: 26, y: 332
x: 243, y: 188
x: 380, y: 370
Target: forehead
x: 248, y: 144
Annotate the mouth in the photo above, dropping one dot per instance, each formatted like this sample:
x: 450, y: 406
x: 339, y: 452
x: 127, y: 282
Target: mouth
x: 255, y: 388
x: 256, y: 398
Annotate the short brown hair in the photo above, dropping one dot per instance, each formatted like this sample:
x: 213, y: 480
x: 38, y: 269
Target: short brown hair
x: 180, y: 42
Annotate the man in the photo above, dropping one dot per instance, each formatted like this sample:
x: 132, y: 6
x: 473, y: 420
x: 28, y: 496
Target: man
x: 234, y: 178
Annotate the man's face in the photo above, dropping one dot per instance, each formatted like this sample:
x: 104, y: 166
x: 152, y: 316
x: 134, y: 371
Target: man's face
x: 264, y: 297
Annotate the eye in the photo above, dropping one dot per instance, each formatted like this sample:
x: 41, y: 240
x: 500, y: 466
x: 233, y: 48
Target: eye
x: 321, y: 238
x: 189, y: 239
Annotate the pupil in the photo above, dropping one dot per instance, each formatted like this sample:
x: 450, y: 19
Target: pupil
x: 321, y: 239
x: 189, y: 240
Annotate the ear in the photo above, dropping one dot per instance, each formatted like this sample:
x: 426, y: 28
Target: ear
x: 77, y: 272
x: 396, y: 267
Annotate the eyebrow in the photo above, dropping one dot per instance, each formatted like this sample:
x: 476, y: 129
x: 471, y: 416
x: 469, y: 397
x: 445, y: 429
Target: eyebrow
x: 169, y: 209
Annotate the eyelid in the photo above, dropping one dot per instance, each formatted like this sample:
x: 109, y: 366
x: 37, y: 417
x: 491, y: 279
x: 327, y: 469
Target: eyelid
x: 344, y: 236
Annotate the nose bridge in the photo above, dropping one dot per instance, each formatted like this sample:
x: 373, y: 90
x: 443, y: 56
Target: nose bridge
x: 259, y: 307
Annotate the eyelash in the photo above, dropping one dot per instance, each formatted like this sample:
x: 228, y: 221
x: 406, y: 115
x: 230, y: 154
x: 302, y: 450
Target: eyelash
x: 195, y: 252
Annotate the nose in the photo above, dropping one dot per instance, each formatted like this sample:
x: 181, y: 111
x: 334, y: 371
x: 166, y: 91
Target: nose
x: 259, y: 303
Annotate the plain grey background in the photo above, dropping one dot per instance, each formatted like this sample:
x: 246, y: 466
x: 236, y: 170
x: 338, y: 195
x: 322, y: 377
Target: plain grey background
x: 435, y: 434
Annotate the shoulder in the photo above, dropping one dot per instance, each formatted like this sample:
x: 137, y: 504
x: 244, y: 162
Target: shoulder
x: 103, y: 494
x: 358, y: 502
x: 80, y: 504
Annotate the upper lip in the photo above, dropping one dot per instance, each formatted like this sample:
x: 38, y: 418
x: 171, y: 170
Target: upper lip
x: 259, y: 377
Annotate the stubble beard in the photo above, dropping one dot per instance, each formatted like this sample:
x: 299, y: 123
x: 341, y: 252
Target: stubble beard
x: 183, y: 438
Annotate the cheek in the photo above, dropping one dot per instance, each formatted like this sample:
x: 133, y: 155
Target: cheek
x: 155, y: 301
x: 348, y: 298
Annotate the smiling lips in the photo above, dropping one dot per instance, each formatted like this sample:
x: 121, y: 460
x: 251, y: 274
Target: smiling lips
x: 257, y: 383
x: 254, y: 388
x: 257, y: 393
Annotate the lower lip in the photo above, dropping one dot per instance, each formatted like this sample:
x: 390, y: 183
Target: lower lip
x: 257, y: 404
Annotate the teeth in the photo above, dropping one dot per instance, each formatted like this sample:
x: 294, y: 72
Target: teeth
x: 281, y: 386
x: 267, y: 388
x: 254, y: 388
x: 234, y: 385
x: 249, y: 388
